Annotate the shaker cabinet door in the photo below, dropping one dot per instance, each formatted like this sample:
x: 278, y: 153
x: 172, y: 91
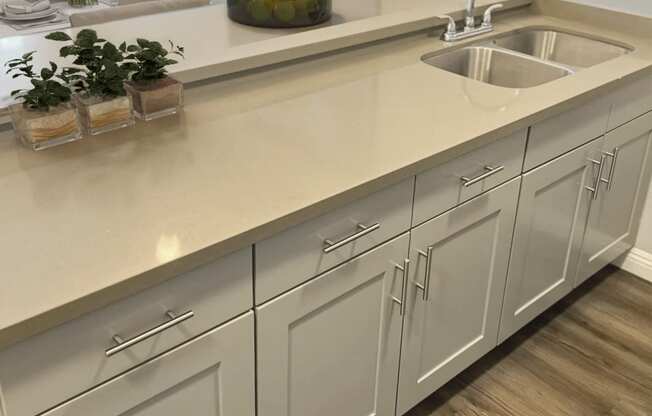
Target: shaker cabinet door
x: 331, y: 346
x: 552, y: 214
x: 614, y: 217
x: 212, y: 375
x: 459, y: 260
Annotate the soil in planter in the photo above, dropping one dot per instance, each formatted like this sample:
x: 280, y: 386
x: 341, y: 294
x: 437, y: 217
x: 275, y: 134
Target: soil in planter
x: 163, y: 97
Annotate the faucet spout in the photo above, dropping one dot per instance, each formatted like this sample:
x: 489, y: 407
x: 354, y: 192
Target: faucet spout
x: 470, y: 14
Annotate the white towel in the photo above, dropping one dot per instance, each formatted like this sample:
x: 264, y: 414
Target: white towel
x: 25, y: 6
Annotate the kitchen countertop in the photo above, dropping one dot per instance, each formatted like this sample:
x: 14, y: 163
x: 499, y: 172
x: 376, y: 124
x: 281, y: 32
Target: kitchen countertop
x: 94, y: 221
x: 217, y: 46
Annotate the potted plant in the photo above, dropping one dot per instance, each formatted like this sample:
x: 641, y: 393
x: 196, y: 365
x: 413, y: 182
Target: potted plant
x: 154, y: 93
x: 45, y: 117
x: 98, y: 80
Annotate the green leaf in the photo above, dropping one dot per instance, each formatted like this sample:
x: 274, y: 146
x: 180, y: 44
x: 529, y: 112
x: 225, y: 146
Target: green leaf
x: 58, y: 36
x: 110, y: 52
x: 28, y: 55
x: 68, y: 51
x: 123, y: 47
x: 143, y: 43
x: 46, y: 74
x: 88, y: 34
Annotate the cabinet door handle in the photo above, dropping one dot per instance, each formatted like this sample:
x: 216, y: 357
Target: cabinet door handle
x: 330, y: 246
x: 425, y: 287
x: 490, y: 171
x: 405, y: 269
x: 595, y: 189
x: 122, y: 344
x: 612, y: 172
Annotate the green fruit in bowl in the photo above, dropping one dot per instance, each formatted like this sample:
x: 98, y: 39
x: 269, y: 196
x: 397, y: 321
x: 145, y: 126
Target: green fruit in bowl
x: 279, y: 13
x: 260, y: 10
x: 284, y: 10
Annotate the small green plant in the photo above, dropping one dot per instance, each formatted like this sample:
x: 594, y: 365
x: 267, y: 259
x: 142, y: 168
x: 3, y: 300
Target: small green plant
x: 152, y: 59
x: 101, y: 66
x: 49, y: 88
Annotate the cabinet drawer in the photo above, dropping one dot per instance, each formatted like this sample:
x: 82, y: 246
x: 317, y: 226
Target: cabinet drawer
x: 74, y: 354
x: 631, y: 101
x: 300, y: 253
x: 444, y: 187
x: 212, y: 375
x: 562, y: 133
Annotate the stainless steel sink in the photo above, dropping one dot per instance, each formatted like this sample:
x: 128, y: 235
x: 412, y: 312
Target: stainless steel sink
x: 579, y: 51
x: 497, y: 67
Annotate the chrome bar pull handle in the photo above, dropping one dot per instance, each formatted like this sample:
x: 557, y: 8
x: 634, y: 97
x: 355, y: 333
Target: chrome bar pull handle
x: 612, y: 172
x: 425, y: 287
x: 122, y: 344
x: 330, y: 246
x: 490, y: 171
x: 595, y: 189
x: 405, y: 269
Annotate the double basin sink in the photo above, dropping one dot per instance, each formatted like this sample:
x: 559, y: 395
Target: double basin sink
x: 526, y: 57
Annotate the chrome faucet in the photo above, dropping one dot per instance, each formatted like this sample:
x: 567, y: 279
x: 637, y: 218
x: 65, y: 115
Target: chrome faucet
x: 470, y: 14
x: 470, y: 29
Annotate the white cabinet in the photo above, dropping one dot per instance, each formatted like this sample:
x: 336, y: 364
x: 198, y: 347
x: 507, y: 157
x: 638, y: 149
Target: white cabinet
x: 552, y: 214
x: 465, y: 177
x: 631, y: 101
x: 463, y: 275
x: 212, y: 375
x: 76, y: 351
x: 615, y: 215
x: 297, y: 254
x: 567, y: 131
x: 331, y: 346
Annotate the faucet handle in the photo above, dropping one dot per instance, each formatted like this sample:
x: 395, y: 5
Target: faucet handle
x: 486, y: 20
x: 451, y: 29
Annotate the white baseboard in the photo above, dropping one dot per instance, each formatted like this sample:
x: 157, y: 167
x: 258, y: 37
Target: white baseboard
x: 636, y: 262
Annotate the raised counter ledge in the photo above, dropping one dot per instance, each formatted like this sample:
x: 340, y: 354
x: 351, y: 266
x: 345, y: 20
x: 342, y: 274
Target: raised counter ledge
x: 216, y: 46
x: 94, y: 221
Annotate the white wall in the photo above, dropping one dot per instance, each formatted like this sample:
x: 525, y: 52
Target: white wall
x: 643, y: 7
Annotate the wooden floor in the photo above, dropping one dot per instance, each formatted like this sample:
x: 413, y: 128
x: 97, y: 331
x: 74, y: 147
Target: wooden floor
x: 589, y: 355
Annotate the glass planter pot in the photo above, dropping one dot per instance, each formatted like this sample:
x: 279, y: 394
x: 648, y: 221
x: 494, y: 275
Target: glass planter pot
x: 42, y: 129
x: 156, y: 99
x: 101, y: 114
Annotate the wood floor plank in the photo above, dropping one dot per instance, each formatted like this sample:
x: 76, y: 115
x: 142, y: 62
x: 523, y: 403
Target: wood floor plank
x: 591, y: 354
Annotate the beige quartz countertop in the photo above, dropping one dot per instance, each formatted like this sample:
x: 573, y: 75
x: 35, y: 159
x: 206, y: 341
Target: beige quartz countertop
x: 94, y: 221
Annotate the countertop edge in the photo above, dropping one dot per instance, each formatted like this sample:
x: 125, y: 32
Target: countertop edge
x: 150, y: 278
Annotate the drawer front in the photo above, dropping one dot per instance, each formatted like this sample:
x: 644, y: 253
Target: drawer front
x: 300, y: 253
x: 630, y: 102
x: 447, y: 185
x: 212, y: 375
x: 567, y: 131
x: 74, y: 354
